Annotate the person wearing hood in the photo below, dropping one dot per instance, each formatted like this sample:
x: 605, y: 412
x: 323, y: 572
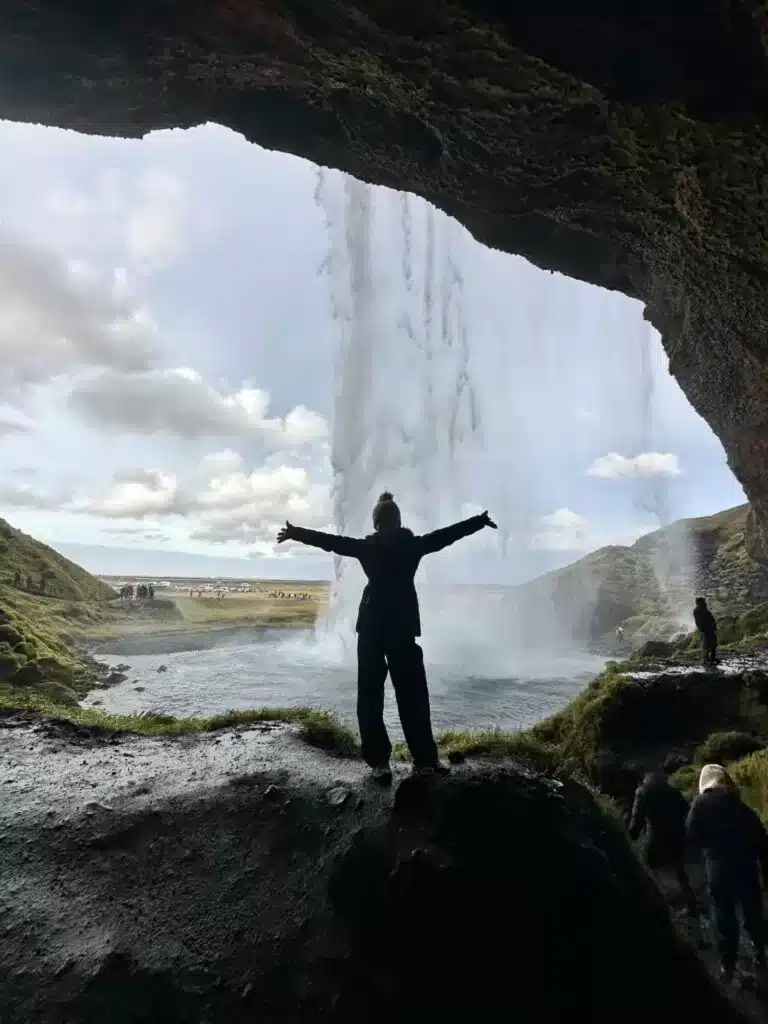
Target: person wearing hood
x: 734, y: 844
x: 661, y: 810
x: 388, y: 624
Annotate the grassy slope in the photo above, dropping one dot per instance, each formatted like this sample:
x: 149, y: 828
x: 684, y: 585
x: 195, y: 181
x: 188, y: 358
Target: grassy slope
x: 22, y: 553
x: 36, y: 644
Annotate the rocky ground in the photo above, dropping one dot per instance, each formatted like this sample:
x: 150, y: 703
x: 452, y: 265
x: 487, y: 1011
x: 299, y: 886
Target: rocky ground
x: 242, y: 875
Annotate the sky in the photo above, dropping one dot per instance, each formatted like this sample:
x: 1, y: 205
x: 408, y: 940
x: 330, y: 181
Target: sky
x: 171, y: 364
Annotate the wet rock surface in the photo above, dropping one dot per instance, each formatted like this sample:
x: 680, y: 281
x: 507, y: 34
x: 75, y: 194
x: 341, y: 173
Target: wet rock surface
x: 241, y: 876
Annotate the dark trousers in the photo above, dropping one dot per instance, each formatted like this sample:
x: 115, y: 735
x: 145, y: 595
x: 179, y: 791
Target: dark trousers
x: 404, y: 660
x: 728, y: 895
x: 670, y: 856
x: 709, y: 645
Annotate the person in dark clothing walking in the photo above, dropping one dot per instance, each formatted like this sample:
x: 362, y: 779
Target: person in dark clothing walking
x: 388, y: 624
x: 734, y: 843
x: 662, y: 810
x: 707, y: 626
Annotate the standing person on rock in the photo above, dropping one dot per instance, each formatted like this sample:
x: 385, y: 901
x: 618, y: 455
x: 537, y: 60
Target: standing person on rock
x: 388, y: 624
x: 661, y: 810
x: 707, y: 627
x: 734, y: 844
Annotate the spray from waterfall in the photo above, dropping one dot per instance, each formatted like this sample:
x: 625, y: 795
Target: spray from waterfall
x: 672, y: 556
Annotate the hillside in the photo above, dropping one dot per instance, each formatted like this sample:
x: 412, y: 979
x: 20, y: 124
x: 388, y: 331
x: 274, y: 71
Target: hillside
x: 36, y: 563
x: 44, y: 599
x: 647, y: 588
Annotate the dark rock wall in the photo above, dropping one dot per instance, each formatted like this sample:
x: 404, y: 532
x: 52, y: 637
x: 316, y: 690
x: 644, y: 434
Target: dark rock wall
x: 621, y: 144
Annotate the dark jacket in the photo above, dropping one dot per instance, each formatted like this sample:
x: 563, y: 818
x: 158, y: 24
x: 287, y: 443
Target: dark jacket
x: 705, y: 621
x: 729, y: 834
x: 389, y: 607
x: 663, y: 810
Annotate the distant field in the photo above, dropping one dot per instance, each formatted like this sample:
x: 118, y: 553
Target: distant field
x: 194, y: 604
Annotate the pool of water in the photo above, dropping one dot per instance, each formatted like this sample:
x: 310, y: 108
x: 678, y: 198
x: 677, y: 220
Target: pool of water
x: 272, y: 669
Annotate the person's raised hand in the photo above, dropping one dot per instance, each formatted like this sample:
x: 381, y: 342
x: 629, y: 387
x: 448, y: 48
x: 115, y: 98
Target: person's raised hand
x: 487, y: 521
x: 285, y: 532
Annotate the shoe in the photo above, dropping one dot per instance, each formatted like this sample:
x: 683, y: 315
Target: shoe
x: 437, y: 769
x: 382, y: 774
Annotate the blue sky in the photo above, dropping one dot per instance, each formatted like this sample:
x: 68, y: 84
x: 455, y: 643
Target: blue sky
x: 170, y: 369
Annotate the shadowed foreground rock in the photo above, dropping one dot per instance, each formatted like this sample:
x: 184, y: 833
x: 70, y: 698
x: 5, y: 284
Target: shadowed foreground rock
x: 495, y: 894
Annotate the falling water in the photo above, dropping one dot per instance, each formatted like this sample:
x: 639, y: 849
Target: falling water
x: 672, y: 557
x: 404, y: 409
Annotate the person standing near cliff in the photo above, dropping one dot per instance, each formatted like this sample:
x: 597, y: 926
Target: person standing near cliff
x: 734, y: 844
x: 707, y: 627
x: 388, y: 623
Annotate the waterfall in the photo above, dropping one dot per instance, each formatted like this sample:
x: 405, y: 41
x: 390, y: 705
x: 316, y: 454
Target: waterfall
x: 404, y: 409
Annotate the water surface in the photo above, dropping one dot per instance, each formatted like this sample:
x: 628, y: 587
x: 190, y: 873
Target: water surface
x: 270, y: 669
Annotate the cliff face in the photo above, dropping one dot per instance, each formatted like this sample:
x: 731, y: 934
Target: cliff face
x: 624, y: 147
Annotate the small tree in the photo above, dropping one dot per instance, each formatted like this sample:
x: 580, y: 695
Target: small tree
x: 45, y: 577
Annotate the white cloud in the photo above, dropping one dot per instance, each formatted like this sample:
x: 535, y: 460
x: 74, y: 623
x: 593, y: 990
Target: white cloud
x: 565, y: 530
x: 9, y: 427
x: 562, y: 530
x: 221, y: 503
x: 301, y: 426
x: 155, y: 224
x: 141, y: 219
x: 56, y: 315
x: 251, y: 508
x: 613, y: 465
x: 181, y: 403
x: 137, y: 495
x: 13, y: 496
x: 223, y: 463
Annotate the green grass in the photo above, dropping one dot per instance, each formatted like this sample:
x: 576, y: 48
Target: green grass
x: 494, y: 744
x: 319, y: 728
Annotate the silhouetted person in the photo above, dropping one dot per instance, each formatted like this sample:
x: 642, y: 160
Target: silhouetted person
x: 734, y: 843
x: 388, y: 623
x: 707, y: 627
x: 661, y: 810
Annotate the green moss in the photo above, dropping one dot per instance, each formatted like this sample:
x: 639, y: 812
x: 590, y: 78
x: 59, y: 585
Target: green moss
x: 726, y: 747
x: 318, y: 728
x: 493, y: 745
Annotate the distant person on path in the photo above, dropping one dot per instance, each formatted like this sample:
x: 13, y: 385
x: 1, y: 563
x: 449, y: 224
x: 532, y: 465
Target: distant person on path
x: 734, y: 843
x: 661, y: 810
x: 707, y: 626
x: 388, y: 624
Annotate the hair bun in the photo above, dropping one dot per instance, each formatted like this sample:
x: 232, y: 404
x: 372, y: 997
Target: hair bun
x: 386, y: 496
